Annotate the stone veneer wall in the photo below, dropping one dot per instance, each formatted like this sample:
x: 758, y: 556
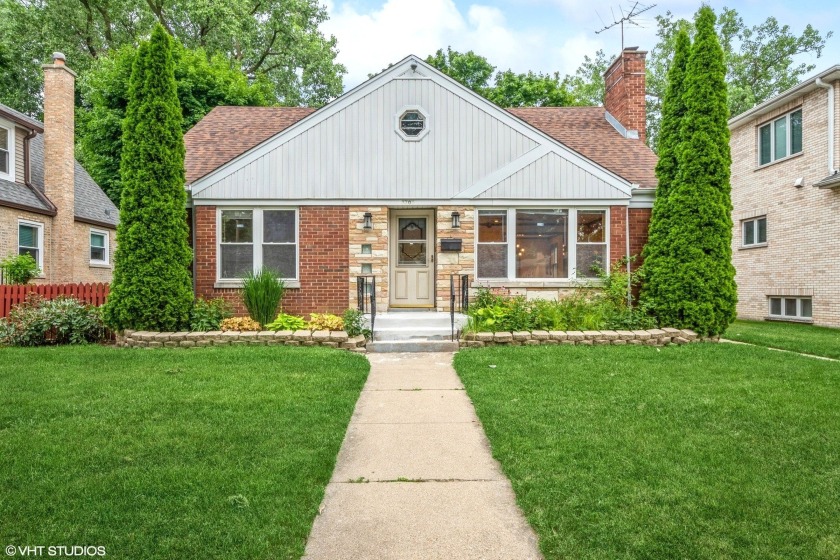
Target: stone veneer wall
x: 447, y: 263
x: 327, y: 339
x: 651, y: 337
x: 377, y: 238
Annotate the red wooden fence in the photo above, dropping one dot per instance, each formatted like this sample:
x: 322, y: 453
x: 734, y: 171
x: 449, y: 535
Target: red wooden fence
x: 11, y: 295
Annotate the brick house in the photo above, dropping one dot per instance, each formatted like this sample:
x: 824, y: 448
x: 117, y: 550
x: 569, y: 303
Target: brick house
x: 49, y: 206
x: 786, y: 203
x: 411, y: 177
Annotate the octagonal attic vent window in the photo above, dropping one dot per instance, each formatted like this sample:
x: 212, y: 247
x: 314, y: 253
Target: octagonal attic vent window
x: 412, y: 123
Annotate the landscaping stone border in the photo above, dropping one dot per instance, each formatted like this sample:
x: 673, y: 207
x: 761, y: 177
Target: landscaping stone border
x: 652, y: 337
x: 327, y: 339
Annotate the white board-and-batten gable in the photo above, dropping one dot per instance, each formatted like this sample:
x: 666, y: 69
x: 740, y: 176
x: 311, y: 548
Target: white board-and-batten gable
x: 351, y: 151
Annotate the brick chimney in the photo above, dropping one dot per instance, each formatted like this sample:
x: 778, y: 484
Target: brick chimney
x: 624, y: 90
x: 59, y: 165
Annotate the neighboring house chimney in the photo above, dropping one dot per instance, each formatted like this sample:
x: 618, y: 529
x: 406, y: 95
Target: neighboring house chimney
x: 59, y: 164
x: 624, y: 90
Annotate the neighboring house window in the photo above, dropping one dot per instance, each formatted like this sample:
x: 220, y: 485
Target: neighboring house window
x: 6, y: 156
x: 537, y: 244
x: 754, y: 231
x: 780, y: 138
x: 791, y: 308
x: 252, y: 239
x: 98, y: 247
x: 31, y: 241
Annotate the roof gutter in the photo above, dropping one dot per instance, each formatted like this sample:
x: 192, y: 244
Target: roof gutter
x: 830, y: 89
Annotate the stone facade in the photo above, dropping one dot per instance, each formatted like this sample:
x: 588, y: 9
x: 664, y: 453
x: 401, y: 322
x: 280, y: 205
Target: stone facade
x: 326, y: 339
x: 448, y: 263
x: 802, y: 253
x: 651, y: 337
x: 378, y: 239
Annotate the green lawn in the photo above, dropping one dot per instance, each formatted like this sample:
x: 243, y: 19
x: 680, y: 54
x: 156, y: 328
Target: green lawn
x: 704, y: 451
x: 820, y: 341
x: 182, y: 454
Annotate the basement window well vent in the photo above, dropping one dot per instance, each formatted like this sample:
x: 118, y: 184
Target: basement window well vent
x: 412, y: 123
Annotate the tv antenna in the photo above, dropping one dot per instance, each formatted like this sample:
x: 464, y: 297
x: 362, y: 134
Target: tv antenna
x: 629, y: 18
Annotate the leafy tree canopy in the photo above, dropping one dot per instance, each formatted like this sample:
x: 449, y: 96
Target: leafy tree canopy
x: 507, y: 88
x: 202, y: 83
x: 758, y: 59
x: 759, y: 62
x: 275, y: 39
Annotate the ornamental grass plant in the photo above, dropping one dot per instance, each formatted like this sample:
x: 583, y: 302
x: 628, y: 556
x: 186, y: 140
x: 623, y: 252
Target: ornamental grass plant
x: 262, y: 294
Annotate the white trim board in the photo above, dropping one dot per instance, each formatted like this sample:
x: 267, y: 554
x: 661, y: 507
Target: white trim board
x: 403, y: 203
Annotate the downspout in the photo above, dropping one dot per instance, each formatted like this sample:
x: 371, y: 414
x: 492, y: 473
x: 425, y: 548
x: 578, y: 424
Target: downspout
x: 830, y: 89
x: 627, y: 254
x: 27, y: 178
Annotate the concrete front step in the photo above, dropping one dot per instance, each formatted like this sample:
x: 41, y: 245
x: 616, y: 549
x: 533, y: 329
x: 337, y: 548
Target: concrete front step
x: 412, y: 346
x: 412, y: 333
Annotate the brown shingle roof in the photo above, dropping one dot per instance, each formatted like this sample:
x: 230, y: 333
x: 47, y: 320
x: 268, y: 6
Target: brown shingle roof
x: 586, y: 131
x: 226, y: 132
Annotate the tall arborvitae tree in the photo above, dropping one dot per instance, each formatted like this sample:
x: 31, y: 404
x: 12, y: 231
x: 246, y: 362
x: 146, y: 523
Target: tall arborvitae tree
x: 152, y: 289
x: 700, y: 293
x: 658, y: 264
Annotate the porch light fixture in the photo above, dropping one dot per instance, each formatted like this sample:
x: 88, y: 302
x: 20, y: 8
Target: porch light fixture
x: 456, y: 220
x: 368, y: 220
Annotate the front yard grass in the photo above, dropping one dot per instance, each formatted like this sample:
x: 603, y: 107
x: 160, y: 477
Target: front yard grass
x: 807, y: 339
x: 200, y: 453
x: 703, y: 451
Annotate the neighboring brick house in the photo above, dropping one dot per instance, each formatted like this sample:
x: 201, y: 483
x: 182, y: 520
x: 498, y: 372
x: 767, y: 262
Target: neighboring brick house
x: 786, y: 204
x: 49, y: 206
x: 411, y: 177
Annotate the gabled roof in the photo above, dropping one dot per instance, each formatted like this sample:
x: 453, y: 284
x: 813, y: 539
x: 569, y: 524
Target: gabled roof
x: 587, y: 131
x: 91, y: 203
x: 226, y: 132
x: 611, y: 161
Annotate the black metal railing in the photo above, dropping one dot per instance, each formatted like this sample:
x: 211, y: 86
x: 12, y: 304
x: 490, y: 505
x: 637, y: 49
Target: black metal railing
x: 459, y: 298
x: 366, y: 297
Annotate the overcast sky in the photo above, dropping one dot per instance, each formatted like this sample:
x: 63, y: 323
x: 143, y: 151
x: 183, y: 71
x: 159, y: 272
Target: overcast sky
x: 539, y: 35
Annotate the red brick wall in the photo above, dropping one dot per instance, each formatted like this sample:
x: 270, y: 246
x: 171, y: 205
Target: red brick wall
x: 624, y: 95
x: 324, y: 261
x: 639, y: 221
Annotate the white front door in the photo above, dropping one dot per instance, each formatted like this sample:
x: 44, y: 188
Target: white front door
x: 412, y: 258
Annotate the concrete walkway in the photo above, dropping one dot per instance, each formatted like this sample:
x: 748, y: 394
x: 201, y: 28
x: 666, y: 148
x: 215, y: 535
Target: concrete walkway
x: 415, y: 477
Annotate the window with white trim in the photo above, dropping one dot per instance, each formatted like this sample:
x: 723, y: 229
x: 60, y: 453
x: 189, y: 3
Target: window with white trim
x: 540, y: 243
x: 780, y: 138
x: 98, y: 246
x: 795, y: 308
x: 31, y: 241
x: 754, y: 231
x: 251, y: 239
x: 7, y: 143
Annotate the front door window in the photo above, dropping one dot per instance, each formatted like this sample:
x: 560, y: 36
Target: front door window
x: 411, y: 243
